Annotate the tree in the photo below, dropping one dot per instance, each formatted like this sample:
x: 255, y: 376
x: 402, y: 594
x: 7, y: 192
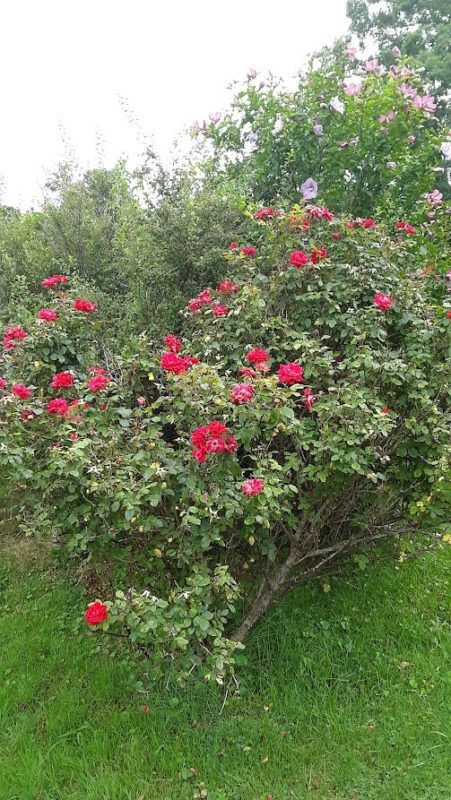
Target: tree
x: 420, y: 28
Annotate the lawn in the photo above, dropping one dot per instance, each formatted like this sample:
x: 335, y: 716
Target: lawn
x: 346, y: 696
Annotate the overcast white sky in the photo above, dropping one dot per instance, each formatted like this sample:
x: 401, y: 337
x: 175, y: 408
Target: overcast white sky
x: 64, y: 64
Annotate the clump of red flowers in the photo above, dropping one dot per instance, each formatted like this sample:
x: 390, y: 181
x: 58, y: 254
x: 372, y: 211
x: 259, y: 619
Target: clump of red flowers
x: 173, y: 344
x: 12, y: 336
x: 59, y: 407
x: 228, y: 286
x: 48, y: 315
x: 298, y: 259
x: 171, y: 362
x: 318, y: 212
x: 252, y: 486
x: 21, y: 391
x: 203, y: 299
x: 219, y: 310
x: 210, y: 439
x: 242, y: 393
x: 290, y: 373
x: 404, y: 226
x: 383, y: 301
x: 85, y: 306
x: 54, y: 280
x: 264, y: 214
x: 62, y: 380
x: 96, y: 613
x: 248, y: 251
x: 317, y: 254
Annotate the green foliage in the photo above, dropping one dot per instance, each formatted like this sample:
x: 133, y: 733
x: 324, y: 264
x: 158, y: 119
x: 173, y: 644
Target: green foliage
x: 367, y: 458
x: 420, y: 28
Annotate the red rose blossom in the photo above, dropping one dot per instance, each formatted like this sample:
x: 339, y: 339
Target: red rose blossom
x: 233, y: 246
x: 228, y: 286
x: 309, y: 399
x: 96, y: 613
x: 59, y: 406
x: 290, y: 373
x: 203, y: 299
x: 99, y: 383
x: 219, y: 310
x: 257, y: 356
x: 26, y: 415
x: 252, y: 486
x: 383, y: 301
x: 62, y: 380
x: 248, y: 372
x: 242, y: 393
x: 404, y: 226
x: 48, y: 315
x: 317, y: 254
x: 171, y: 362
x: 298, y: 259
x: 172, y: 343
x: 248, y: 251
x: 12, y: 336
x: 21, y: 391
x: 3, y: 383
x: 84, y: 305
x: 73, y: 436
x: 54, y: 280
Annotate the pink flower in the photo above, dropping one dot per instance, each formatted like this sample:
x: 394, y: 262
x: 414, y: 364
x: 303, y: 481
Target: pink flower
x: 233, y: 246
x: 53, y: 280
x: 257, y: 356
x: 385, y: 409
x: 427, y: 102
x: 99, y: 383
x: 350, y: 53
x: 396, y: 52
x: 372, y: 65
x: 228, y: 286
x: 3, y: 383
x: 242, y: 393
x: 84, y: 305
x: 290, y: 373
x: 248, y: 251
x: 252, y: 486
x: 248, y: 372
x: 203, y: 299
x: 172, y: 343
x: 407, y: 90
x: 73, y: 436
x: 48, y: 315
x: 298, y: 259
x: 62, y: 380
x: 309, y: 189
x: 141, y: 401
x: 21, y: 391
x: 317, y: 212
x: 215, y: 117
x: 219, y: 310
x: 383, y: 301
x: 309, y: 399
x: 58, y: 406
x: 12, y: 336
x: 171, y: 362
x: 336, y: 236
x: 435, y: 197
x: 351, y: 89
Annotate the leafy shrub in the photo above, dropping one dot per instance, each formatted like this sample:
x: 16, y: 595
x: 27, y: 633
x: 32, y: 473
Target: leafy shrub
x: 304, y: 417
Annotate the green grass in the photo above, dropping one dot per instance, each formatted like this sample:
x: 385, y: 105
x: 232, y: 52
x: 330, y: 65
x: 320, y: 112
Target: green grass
x: 329, y: 709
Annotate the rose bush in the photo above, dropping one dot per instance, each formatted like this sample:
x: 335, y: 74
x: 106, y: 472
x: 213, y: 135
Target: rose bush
x: 307, y: 423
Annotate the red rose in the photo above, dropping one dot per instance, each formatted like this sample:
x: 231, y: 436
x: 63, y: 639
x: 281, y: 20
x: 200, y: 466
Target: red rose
x: 62, y: 380
x: 383, y: 301
x: 73, y: 436
x: 233, y: 246
x: 290, y: 373
x: 13, y: 335
x: 3, y: 383
x: 228, y: 286
x: 309, y: 399
x: 172, y: 343
x: 96, y: 613
x: 171, y: 362
x: 317, y: 254
x: 242, y: 393
x: 26, y: 415
x: 58, y: 406
x: 248, y: 372
x: 210, y: 439
x: 404, y: 226
x: 219, y: 310
x: 99, y: 383
x: 84, y: 305
x: 47, y: 315
x: 366, y: 223
x: 21, y: 391
x: 202, y: 299
x: 252, y: 486
x: 298, y: 259
x: 53, y: 280
x: 248, y: 251
x: 257, y: 356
